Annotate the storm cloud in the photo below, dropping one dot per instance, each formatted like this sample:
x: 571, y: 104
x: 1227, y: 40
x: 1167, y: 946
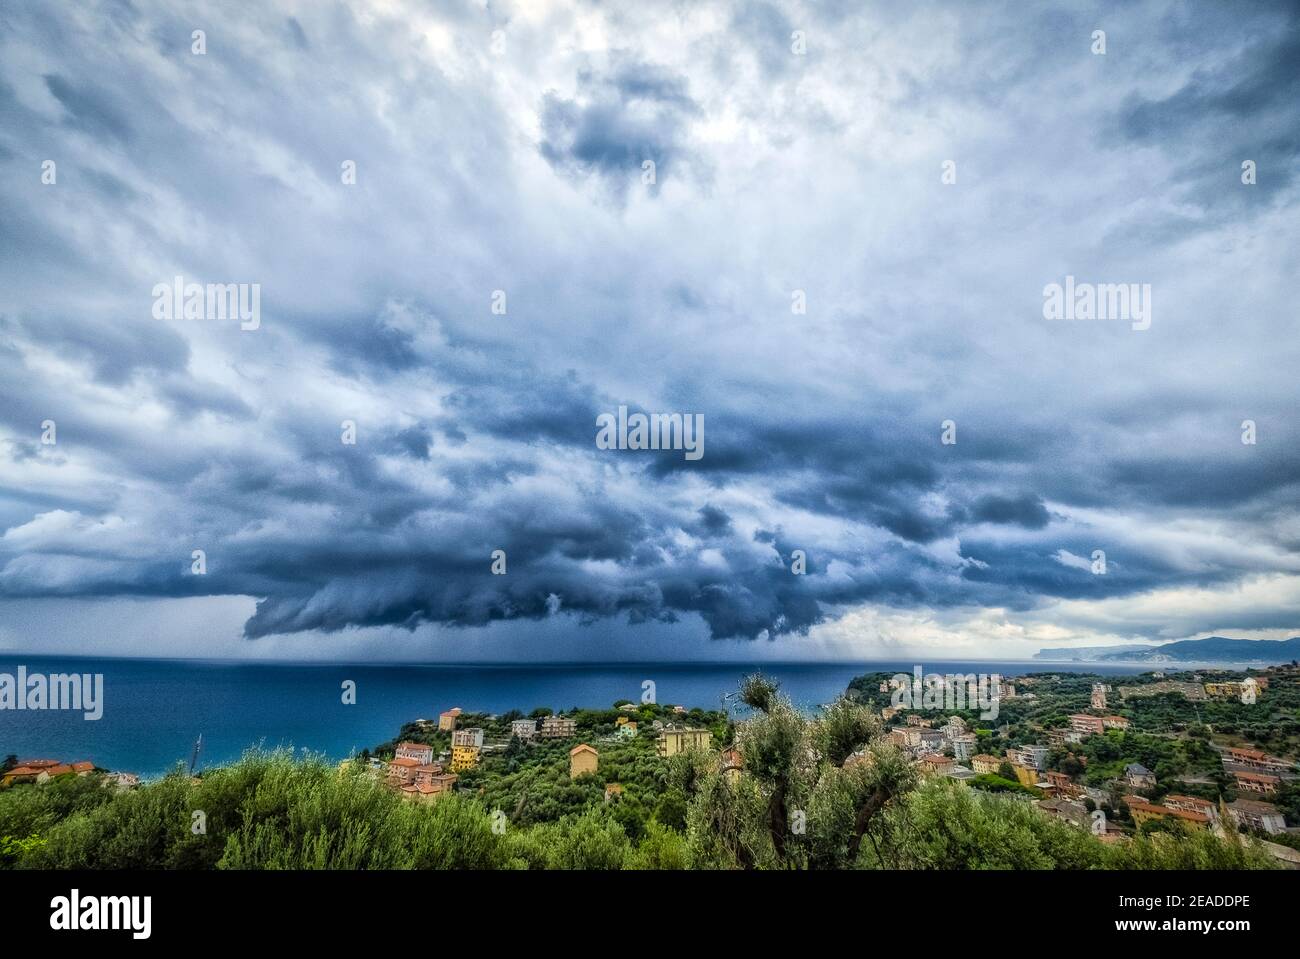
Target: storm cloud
x: 862, y: 332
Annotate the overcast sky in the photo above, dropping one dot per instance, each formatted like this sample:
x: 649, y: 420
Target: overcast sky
x: 501, y: 147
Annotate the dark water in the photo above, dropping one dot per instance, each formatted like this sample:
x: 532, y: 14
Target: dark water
x: 155, y: 709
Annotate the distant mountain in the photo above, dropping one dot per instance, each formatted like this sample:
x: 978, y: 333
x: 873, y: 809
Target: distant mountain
x: 1215, y: 649
x: 1089, y: 653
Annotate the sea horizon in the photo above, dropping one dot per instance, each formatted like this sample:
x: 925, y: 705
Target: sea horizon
x: 155, y: 708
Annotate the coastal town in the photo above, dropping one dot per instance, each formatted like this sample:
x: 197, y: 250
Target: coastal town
x: 1225, y: 788
x: 1118, y: 759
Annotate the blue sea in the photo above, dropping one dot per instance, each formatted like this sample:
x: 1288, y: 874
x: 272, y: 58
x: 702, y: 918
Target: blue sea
x: 154, y: 710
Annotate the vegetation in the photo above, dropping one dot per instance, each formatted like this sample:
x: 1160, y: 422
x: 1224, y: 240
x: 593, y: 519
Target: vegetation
x: 815, y: 793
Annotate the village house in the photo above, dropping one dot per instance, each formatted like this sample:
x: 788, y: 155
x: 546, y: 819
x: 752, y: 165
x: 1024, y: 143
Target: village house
x: 1060, y: 737
x: 1261, y: 783
x: 984, y: 764
x: 422, y: 754
x: 1061, y: 783
x: 935, y: 763
x: 1074, y: 813
x: 524, y: 728
x: 428, y: 782
x: 1138, y: 776
x: 1034, y: 756
x: 929, y: 739
x: 447, y: 720
x: 43, y: 770
x: 673, y: 741
x: 1025, y: 775
x: 1193, y: 804
x: 626, y: 730
x: 1257, y: 815
x: 468, y: 737
x: 1114, y: 722
x: 1088, y: 725
x: 464, y: 757
x: 1254, y: 759
x: 558, y: 727
x: 964, y: 746
x: 1144, y: 812
x: 1098, y: 695
x: 613, y: 791
x: 583, y: 759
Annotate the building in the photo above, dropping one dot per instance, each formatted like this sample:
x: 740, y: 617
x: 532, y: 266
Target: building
x: 964, y: 746
x: 984, y: 764
x: 43, y: 770
x: 422, y: 754
x: 936, y: 763
x: 1254, y: 759
x: 930, y: 739
x: 467, y: 737
x: 613, y: 791
x: 1025, y: 775
x: 1257, y: 815
x: 1074, y: 813
x: 401, y: 770
x: 629, y: 707
x: 1061, y: 782
x: 1261, y: 783
x: 447, y: 720
x: 674, y: 741
x: 1138, y: 776
x: 464, y: 757
x: 1193, y: 804
x: 428, y: 782
x: 1034, y: 756
x: 1098, y: 695
x: 1114, y: 722
x: 1060, y: 737
x: 1144, y: 812
x: 626, y: 731
x: 960, y: 773
x: 732, y: 763
x: 524, y: 728
x: 1088, y: 725
x: 954, y: 727
x: 559, y: 727
x: 583, y: 759
x: 679, y: 710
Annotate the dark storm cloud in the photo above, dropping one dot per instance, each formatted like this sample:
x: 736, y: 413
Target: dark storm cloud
x: 476, y: 430
x: 620, y: 119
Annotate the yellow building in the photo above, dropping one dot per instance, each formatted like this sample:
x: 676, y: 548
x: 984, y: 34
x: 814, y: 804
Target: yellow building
x: 447, y: 720
x: 1024, y: 775
x: 464, y: 757
x: 674, y: 741
x: 583, y: 759
x: 1144, y: 812
x: 984, y: 764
